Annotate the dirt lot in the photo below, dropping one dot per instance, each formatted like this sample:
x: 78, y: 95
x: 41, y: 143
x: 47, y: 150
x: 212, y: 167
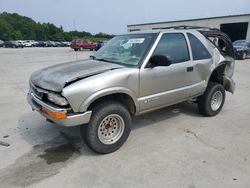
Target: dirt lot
x: 172, y: 147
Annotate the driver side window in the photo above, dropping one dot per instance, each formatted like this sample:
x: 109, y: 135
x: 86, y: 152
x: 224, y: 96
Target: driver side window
x: 173, y: 45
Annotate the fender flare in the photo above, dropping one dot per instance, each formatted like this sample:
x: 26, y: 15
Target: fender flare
x: 105, y: 92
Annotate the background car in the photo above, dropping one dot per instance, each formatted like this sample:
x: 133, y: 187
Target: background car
x: 27, y: 43
x: 241, y: 49
x: 100, y: 44
x: 52, y: 43
x: 66, y: 44
x: 41, y: 44
x: 12, y: 44
x: 81, y: 44
x: 1, y: 43
x: 21, y: 42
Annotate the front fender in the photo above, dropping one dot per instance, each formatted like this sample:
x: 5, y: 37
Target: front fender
x: 105, y: 92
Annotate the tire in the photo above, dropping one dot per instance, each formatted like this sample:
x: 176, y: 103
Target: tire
x: 103, y: 137
x: 243, y: 57
x: 212, y: 101
x: 76, y: 49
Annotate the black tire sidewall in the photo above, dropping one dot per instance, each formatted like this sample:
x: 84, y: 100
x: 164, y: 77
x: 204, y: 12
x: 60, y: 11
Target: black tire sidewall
x: 99, y: 113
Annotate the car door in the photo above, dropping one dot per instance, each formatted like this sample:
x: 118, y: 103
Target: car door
x: 164, y: 85
x: 202, y: 62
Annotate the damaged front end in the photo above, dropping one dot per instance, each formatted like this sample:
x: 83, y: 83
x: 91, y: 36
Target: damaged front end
x: 46, y: 90
x: 61, y: 115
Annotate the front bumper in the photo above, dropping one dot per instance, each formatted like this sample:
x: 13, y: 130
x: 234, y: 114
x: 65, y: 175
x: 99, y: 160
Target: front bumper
x: 71, y: 119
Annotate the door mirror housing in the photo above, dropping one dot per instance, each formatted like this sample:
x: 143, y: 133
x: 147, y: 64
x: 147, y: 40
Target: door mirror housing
x: 159, y: 60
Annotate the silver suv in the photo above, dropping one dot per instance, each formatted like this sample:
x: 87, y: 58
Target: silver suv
x: 133, y: 74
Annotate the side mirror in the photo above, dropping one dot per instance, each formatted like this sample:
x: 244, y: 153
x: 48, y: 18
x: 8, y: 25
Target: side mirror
x: 159, y: 60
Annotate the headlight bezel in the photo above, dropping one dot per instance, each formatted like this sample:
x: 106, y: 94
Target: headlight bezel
x: 57, y: 99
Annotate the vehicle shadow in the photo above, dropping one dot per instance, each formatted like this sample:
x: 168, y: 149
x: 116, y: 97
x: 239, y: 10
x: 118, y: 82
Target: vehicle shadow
x: 36, y: 131
x: 163, y: 114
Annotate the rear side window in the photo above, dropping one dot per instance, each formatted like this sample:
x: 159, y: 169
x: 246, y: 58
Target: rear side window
x: 198, y: 49
x: 173, y: 45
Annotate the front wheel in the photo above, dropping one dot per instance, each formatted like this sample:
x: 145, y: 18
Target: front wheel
x: 212, y: 101
x: 109, y: 127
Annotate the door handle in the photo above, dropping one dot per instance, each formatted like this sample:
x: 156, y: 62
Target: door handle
x: 190, y: 69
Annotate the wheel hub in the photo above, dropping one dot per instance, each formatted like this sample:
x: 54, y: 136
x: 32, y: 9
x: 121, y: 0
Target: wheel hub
x: 216, y: 100
x: 111, y: 129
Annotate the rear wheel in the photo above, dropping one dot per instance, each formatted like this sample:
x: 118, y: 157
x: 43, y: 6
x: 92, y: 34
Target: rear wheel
x: 109, y: 127
x: 212, y: 101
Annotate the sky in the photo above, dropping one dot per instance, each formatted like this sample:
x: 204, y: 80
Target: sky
x: 113, y: 16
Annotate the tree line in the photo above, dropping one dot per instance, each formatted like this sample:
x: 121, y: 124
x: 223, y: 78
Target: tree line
x: 16, y: 27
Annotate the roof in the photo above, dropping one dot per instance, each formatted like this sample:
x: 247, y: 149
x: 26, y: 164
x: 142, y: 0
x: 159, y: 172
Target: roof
x: 229, y: 16
x: 182, y: 28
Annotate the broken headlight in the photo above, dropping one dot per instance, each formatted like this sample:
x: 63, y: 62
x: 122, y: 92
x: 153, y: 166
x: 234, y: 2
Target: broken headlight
x: 57, y: 99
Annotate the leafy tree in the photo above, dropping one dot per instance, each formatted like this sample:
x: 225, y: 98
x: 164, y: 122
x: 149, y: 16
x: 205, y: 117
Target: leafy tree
x: 17, y: 27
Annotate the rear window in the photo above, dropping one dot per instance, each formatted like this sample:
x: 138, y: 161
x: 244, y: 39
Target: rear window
x: 198, y: 49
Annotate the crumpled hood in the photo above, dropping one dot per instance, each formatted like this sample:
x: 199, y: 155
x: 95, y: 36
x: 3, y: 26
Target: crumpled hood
x: 54, y: 78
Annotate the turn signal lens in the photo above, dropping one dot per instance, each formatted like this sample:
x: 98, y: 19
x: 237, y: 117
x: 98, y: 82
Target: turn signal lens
x: 57, y: 115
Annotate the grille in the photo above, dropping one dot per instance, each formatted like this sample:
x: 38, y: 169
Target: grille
x: 37, y: 92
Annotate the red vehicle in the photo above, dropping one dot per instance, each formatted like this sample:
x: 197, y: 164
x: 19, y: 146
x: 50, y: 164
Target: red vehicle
x: 81, y: 44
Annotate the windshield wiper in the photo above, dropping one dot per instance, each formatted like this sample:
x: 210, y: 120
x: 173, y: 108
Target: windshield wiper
x: 105, y: 60
x: 100, y: 59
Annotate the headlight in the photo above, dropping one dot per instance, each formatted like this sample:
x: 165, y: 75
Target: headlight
x: 57, y: 99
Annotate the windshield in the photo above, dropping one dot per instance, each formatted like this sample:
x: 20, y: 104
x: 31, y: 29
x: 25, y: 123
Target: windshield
x: 240, y: 43
x: 126, y: 49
